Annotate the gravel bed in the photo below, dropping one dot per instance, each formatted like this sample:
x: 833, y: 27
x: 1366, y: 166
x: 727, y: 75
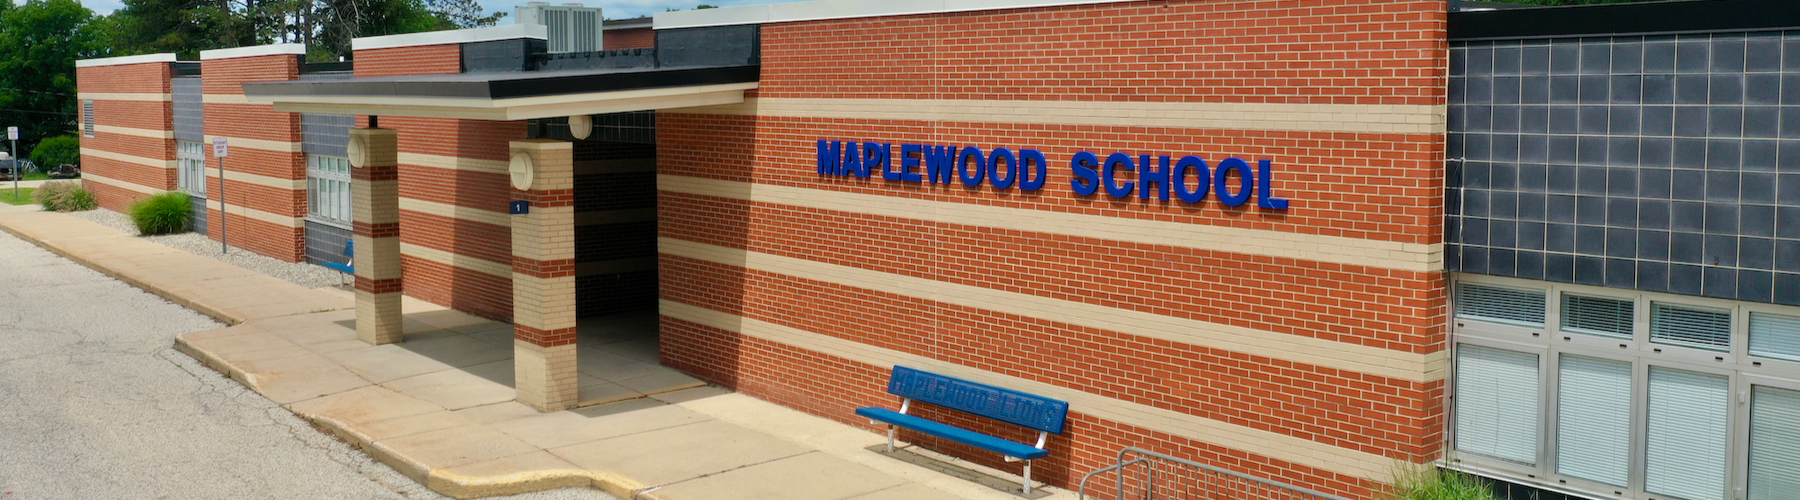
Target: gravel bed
x: 303, y: 274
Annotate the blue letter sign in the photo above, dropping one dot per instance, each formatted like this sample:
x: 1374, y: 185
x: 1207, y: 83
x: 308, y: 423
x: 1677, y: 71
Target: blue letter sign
x: 1190, y: 178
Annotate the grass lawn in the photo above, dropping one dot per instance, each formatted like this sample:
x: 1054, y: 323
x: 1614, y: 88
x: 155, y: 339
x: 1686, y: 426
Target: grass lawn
x: 6, y: 196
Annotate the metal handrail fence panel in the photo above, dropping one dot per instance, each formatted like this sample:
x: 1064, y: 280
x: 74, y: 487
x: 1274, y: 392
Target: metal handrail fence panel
x: 1141, y: 474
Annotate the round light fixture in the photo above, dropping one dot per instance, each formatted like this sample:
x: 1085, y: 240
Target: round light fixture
x: 523, y: 171
x: 358, y: 151
x: 581, y: 126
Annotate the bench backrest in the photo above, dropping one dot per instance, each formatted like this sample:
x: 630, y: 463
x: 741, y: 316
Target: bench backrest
x: 1005, y: 405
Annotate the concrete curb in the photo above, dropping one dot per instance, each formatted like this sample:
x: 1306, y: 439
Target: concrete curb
x: 439, y: 479
x: 134, y: 281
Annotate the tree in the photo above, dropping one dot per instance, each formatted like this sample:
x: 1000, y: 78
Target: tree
x: 39, y: 44
x: 54, y: 151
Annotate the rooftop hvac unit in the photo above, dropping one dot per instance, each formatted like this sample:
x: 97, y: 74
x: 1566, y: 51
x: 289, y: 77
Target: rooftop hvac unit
x: 569, y: 27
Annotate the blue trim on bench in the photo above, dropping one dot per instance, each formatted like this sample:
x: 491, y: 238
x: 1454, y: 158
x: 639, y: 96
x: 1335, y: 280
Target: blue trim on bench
x: 349, y: 253
x: 968, y: 437
x: 997, y: 403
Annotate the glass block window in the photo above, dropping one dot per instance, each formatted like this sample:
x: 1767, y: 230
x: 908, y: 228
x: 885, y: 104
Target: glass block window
x: 328, y: 189
x: 1690, y: 326
x: 1500, y: 304
x: 1597, y: 315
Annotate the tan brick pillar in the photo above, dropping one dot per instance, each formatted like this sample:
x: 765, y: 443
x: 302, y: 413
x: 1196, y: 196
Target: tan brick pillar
x: 543, y: 243
x: 375, y: 199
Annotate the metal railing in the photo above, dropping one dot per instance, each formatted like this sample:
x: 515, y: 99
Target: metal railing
x: 1149, y: 475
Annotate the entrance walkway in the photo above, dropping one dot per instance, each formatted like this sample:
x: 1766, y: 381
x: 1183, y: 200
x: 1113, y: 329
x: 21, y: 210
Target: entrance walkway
x: 439, y: 406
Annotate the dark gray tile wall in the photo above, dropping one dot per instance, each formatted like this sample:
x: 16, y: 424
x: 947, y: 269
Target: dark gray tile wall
x: 1666, y: 164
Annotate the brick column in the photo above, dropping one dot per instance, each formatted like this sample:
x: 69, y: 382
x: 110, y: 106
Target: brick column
x: 375, y: 197
x: 543, y: 244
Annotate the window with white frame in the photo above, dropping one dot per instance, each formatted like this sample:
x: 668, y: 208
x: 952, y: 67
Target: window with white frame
x: 1624, y: 394
x: 190, y: 163
x: 328, y: 189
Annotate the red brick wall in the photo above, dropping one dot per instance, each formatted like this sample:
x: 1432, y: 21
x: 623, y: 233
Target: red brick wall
x: 639, y: 38
x: 272, y: 157
x: 151, y: 116
x: 1369, y: 186
x: 416, y: 60
x: 471, y: 291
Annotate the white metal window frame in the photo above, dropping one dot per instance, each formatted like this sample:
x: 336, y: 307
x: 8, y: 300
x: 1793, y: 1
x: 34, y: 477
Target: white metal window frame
x: 1550, y: 344
x: 336, y: 214
x: 1741, y: 400
x: 190, y: 172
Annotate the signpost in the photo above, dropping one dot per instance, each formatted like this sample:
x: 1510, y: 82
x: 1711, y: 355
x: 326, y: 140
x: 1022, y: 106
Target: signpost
x: 220, y: 151
x: 12, y: 135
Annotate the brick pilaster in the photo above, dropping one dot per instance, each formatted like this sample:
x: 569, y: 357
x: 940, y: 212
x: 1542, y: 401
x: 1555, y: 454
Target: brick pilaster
x: 543, y: 245
x: 375, y: 195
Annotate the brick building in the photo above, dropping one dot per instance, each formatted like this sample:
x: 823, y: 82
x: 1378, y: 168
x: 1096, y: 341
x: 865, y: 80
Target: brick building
x: 1295, y: 240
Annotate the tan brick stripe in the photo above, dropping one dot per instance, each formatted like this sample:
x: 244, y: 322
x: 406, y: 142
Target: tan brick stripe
x: 503, y: 270
x: 137, y: 132
x: 135, y: 160
x: 132, y: 186
x: 1250, y: 440
x: 262, y: 144
x: 1338, y: 250
x: 1350, y: 410
x: 1373, y: 307
x: 1326, y: 353
x: 125, y: 96
x: 1358, y: 118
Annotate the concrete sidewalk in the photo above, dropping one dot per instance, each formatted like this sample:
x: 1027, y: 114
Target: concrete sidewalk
x: 439, y: 407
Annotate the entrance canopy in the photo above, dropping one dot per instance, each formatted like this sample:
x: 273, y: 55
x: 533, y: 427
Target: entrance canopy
x: 513, y: 95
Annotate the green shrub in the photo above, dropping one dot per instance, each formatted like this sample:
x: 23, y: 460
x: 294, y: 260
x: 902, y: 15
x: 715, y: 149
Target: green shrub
x: 64, y: 196
x: 1432, y: 483
x: 165, y: 213
x: 55, y: 151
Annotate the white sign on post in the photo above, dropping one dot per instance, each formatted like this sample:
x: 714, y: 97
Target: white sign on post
x: 219, y: 149
x: 12, y: 133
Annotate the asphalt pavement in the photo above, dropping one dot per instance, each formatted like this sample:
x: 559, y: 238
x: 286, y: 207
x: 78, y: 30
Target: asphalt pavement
x: 96, y: 403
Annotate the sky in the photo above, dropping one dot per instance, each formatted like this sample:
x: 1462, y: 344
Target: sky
x: 615, y: 9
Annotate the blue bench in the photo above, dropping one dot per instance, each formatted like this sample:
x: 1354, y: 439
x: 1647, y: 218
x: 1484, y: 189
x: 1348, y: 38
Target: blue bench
x: 349, y: 265
x: 1037, y: 412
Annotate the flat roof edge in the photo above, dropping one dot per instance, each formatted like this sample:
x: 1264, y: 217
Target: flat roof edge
x: 1625, y: 19
x: 843, y: 9
x: 278, y: 49
x: 121, y: 60
x: 488, y: 34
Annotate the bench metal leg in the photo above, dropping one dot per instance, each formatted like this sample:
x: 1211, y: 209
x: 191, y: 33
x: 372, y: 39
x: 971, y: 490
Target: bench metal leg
x: 891, y: 431
x: 1027, y: 477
